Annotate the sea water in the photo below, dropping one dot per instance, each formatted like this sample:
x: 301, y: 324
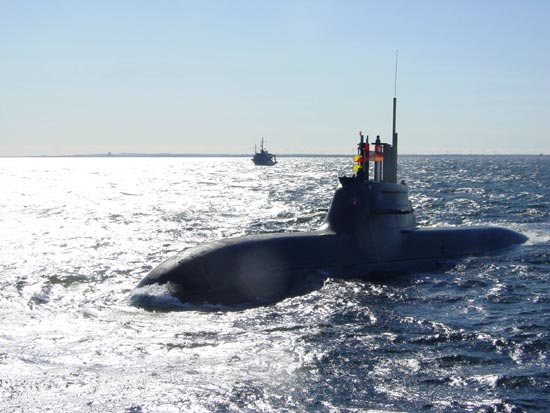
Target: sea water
x: 77, y: 234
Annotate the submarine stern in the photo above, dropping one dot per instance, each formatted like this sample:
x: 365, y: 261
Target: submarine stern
x: 441, y: 242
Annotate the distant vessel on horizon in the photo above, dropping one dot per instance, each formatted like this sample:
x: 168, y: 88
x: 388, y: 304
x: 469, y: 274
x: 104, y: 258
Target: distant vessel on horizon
x: 263, y: 158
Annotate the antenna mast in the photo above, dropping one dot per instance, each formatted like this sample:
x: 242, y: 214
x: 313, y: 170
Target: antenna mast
x: 395, y: 80
x: 393, y: 177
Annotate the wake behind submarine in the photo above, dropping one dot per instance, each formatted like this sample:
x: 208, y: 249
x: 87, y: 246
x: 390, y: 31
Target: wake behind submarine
x: 370, y: 230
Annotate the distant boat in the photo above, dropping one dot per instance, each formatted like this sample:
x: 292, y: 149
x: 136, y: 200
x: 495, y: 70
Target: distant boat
x: 263, y: 158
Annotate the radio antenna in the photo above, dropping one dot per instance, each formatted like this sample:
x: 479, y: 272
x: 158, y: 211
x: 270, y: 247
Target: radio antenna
x: 395, y: 80
x: 392, y: 172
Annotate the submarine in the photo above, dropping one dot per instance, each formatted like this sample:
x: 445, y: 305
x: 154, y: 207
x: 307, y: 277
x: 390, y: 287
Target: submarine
x: 370, y: 231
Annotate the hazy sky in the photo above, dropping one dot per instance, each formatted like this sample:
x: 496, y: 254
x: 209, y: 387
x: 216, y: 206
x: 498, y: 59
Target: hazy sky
x: 216, y: 76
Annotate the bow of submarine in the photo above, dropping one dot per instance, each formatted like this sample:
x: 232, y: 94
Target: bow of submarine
x: 254, y: 266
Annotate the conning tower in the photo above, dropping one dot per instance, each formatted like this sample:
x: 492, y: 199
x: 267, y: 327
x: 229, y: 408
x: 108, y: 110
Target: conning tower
x: 371, y: 207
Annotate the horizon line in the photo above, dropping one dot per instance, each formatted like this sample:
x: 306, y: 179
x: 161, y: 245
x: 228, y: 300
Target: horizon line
x: 228, y: 155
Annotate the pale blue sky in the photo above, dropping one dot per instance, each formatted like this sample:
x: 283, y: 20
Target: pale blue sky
x: 216, y: 76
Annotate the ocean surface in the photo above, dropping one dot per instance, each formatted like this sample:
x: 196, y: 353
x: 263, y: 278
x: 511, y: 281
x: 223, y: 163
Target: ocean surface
x: 77, y: 234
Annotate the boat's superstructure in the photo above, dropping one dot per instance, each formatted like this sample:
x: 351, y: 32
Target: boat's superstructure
x: 263, y: 157
x: 370, y: 229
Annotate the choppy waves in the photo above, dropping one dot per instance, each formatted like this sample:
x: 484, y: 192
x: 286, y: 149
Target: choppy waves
x: 78, y: 234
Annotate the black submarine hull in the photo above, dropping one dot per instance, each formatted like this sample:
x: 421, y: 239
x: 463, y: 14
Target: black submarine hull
x: 268, y: 266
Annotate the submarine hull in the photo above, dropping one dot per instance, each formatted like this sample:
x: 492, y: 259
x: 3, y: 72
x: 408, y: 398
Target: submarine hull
x: 269, y: 266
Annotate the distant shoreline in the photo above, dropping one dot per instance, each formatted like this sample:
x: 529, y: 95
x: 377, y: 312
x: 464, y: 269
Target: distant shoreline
x: 298, y: 155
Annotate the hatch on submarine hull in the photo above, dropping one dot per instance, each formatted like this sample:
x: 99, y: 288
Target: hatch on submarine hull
x: 370, y: 230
